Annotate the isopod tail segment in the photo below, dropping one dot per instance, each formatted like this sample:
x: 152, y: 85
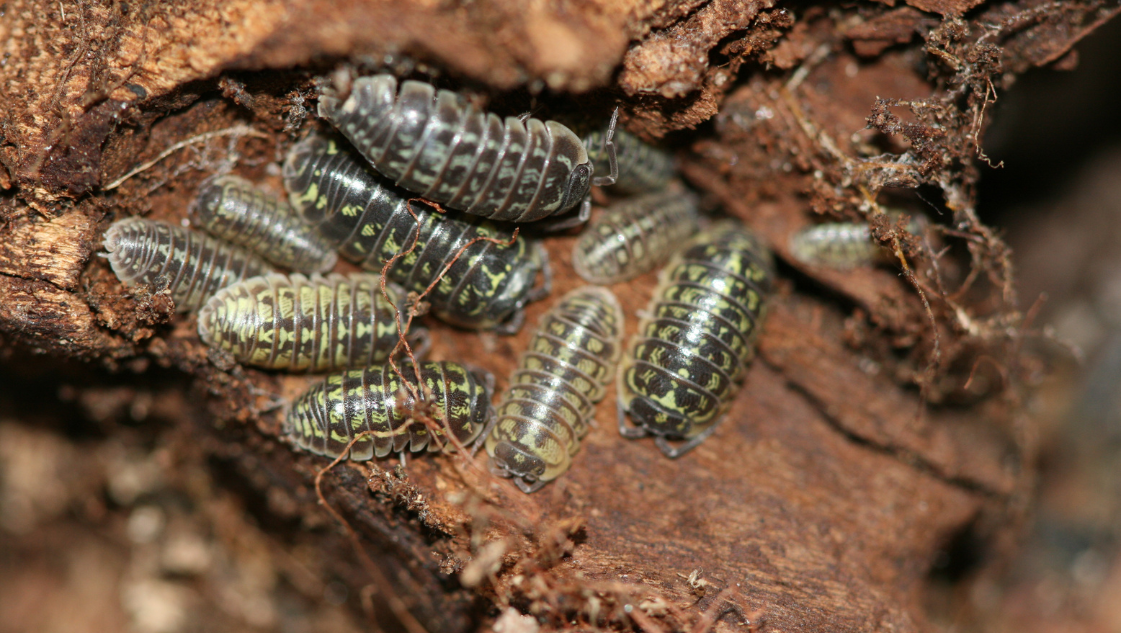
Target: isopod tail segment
x: 578, y: 184
x: 670, y: 450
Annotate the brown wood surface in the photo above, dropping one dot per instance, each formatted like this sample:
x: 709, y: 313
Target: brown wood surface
x: 861, y: 444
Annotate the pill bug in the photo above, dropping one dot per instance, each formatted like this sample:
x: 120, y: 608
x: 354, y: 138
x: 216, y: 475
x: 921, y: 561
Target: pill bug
x: 843, y: 245
x: 299, y: 323
x: 487, y: 286
x: 689, y: 355
x: 236, y: 210
x: 190, y: 265
x: 641, y: 166
x: 436, y: 144
x: 635, y: 235
x: 376, y: 400
x: 552, y: 395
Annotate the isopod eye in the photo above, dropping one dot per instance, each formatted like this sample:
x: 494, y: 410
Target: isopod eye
x: 576, y: 189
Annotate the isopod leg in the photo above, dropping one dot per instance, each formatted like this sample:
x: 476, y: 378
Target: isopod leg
x: 609, y: 149
x: 528, y: 488
x: 673, y: 452
x: 567, y: 221
x: 420, y: 341
x: 513, y: 325
x: 492, y: 419
x: 627, y: 431
x: 538, y: 294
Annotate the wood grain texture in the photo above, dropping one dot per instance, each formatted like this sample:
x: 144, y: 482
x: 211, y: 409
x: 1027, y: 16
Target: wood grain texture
x: 837, y: 479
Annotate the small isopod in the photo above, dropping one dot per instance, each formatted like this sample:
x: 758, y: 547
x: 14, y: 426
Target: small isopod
x: 641, y: 167
x: 299, y: 323
x: 376, y: 401
x: 690, y: 353
x: 634, y: 236
x: 190, y: 265
x: 236, y: 210
x: 491, y: 276
x: 842, y: 245
x: 436, y: 144
x: 551, y: 398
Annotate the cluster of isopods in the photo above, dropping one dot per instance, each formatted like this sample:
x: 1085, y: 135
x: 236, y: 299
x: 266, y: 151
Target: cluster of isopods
x: 424, y: 195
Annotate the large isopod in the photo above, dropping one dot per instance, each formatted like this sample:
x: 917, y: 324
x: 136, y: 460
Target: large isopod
x: 437, y: 145
x: 378, y: 405
x: 191, y: 266
x: 635, y: 235
x: 551, y: 399
x: 690, y: 354
x: 236, y: 210
x: 484, y: 277
x: 299, y: 323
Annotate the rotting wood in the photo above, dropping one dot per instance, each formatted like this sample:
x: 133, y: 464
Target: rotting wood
x: 821, y: 502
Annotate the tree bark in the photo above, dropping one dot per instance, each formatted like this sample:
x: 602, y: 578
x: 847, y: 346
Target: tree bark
x: 882, y: 418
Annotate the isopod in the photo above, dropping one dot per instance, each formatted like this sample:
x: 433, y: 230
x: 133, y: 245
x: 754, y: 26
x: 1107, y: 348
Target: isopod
x: 376, y: 401
x: 634, y: 236
x: 641, y: 167
x: 190, y: 265
x: 690, y: 353
x: 299, y: 323
x: 236, y: 210
x: 436, y: 144
x: 491, y: 275
x: 550, y: 402
x: 843, y: 245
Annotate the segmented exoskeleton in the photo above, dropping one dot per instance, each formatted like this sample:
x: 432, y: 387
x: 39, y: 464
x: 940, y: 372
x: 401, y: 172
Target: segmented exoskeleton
x: 191, y: 266
x: 376, y: 400
x: 690, y: 353
x: 488, y: 285
x: 297, y: 323
x: 642, y: 168
x: 236, y: 210
x: 552, y: 395
x: 843, y: 245
x: 635, y: 235
x: 436, y: 144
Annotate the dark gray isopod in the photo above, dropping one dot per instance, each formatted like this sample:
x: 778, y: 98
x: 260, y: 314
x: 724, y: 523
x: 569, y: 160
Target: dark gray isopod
x: 436, y: 144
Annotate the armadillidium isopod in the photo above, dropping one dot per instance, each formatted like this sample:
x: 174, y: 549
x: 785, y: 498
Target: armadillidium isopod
x: 491, y: 275
x: 236, y: 210
x: 436, y: 144
x: 297, y: 323
x: 642, y: 168
x: 552, y: 395
x: 377, y: 402
x: 690, y: 353
x: 634, y: 236
x: 190, y: 266
x: 843, y: 245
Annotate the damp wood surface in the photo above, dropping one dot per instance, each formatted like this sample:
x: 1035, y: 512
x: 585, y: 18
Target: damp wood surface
x: 868, y: 436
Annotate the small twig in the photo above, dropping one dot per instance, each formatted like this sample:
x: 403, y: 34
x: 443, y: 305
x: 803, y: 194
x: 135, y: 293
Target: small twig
x: 411, y: 624
x: 237, y: 130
